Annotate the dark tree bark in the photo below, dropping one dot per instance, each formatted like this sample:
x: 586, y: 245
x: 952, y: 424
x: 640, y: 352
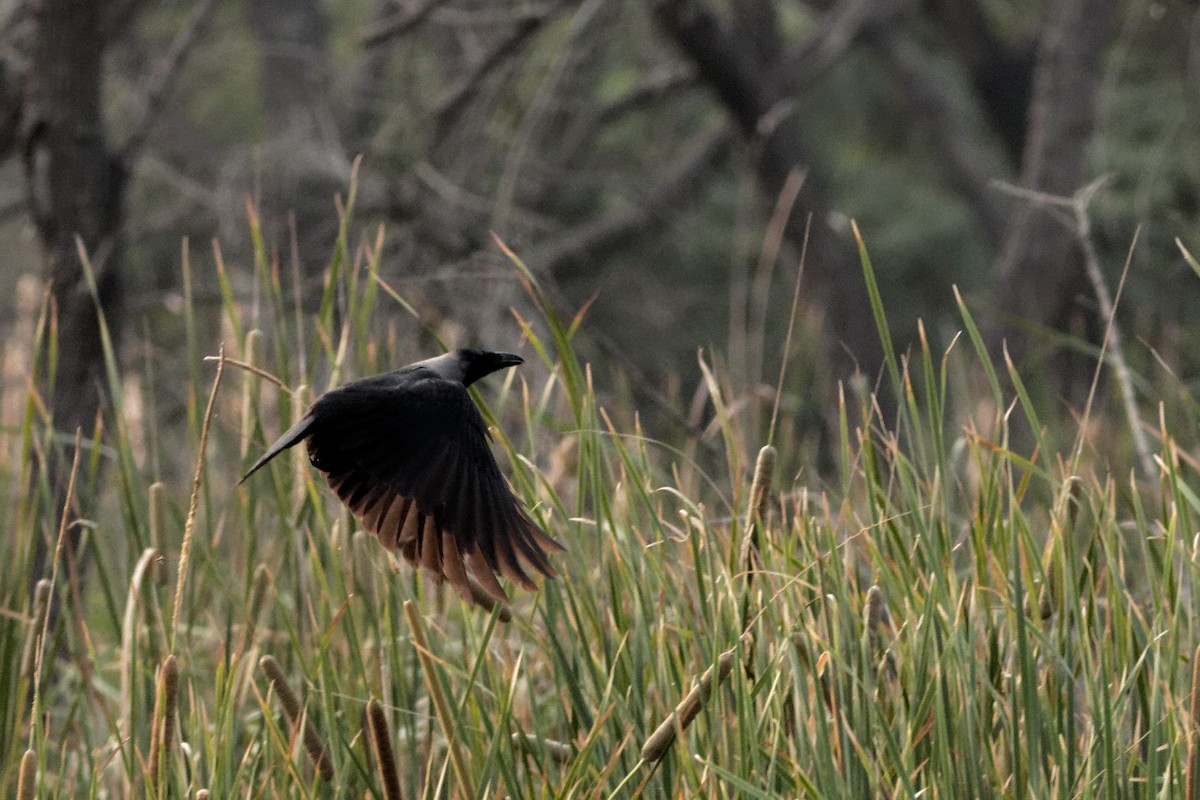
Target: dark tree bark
x: 75, y: 189
x: 1040, y: 275
x: 770, y: 121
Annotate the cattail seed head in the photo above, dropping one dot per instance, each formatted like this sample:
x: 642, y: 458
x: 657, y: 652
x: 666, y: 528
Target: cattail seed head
x: 663, y: 737
x: 760, y: 487
x: 877, y: 615
x: 294, y: 711
x: 27, y: 776
x: 37, y: 622
x: 381, y: 745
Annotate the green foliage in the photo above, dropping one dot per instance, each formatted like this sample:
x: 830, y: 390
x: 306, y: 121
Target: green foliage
x: 1031, y: 634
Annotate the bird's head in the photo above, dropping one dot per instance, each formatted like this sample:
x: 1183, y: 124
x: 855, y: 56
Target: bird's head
x: 476, y: 364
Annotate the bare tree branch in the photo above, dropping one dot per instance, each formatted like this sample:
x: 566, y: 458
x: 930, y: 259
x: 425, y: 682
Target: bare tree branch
x: 164, y: 78
x: 585, y: 127
x: 452, y: 103
x: 1040, y: 270
x: 571, y: 252
x: 1072, y: 213
x: 839, y: 28
x: 658, y: 85
x: 493, y: 15
x: 397, y: 24
x: 965, y: 165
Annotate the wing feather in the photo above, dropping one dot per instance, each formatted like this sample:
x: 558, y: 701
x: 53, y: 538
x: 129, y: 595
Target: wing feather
x: 453, y: 567
x: 411, y: 460
x: 431, y: 548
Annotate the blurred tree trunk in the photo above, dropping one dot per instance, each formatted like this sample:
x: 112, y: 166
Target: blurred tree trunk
x: 75, y: 189
x: 303, y: 164
x: 1040, y: 275
x: 1001, y: 73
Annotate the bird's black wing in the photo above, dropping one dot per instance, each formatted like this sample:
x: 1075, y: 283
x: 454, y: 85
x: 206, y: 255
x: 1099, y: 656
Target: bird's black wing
x: 409, y: 456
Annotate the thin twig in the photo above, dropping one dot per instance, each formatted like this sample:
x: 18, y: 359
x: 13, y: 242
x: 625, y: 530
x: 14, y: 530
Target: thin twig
x: 787, y: 341
x: 262, y: 373
x: 1112, y: 334
x: 1072, y: 212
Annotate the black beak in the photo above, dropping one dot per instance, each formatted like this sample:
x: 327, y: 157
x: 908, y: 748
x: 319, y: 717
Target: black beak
x: 505, y: 360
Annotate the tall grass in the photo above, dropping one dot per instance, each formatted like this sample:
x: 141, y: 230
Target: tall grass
x: 953, y: 613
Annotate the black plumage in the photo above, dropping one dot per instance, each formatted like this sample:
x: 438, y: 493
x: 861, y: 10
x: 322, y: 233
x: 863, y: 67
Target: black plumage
x: 407, y: 452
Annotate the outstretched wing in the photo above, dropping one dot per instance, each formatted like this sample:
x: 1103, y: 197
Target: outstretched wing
x: 411, y: 460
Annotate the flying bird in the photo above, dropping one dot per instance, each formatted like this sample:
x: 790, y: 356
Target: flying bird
x: 407, y: 452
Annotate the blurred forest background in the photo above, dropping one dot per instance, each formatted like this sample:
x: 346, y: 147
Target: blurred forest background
x: 662, y: 160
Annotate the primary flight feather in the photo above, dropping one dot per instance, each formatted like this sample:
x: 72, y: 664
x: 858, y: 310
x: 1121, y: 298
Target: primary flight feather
x: 407, y: 452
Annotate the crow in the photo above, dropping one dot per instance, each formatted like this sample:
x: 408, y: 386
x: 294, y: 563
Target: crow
x: 407, y: 452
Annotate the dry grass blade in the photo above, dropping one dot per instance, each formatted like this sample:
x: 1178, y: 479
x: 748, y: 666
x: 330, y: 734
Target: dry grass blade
x: 878, y: 621
x: 381, y: 745
x: 27, y: 776
x: 68, y: 499
x: 439, y: 700
x: 258, y: 592
x: 678, y: 720
x: 1192, y: 773
x: 163, y: 735
x: 157, y: 500
x: 751, y: 556
x: 37, y: 621
x: 143, y: 569
x: 189, y: 526
x: 295, y: 713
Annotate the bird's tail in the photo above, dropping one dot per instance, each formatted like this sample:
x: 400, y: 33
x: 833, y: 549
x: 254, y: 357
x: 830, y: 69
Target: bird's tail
x: 294, y: 434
